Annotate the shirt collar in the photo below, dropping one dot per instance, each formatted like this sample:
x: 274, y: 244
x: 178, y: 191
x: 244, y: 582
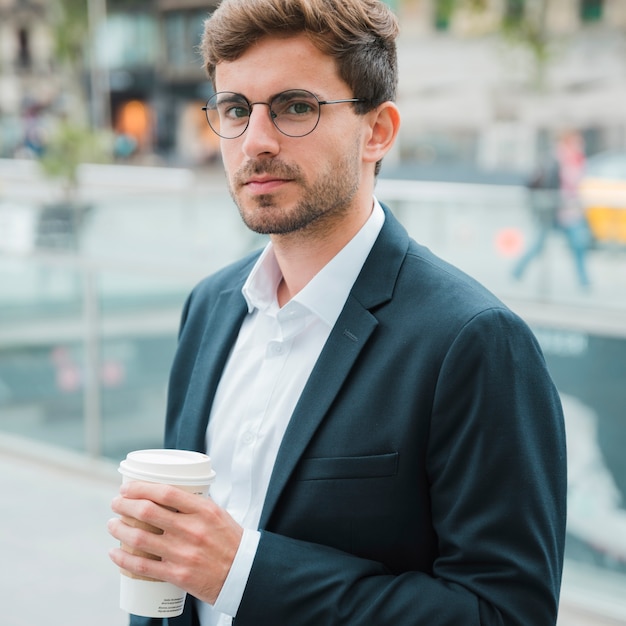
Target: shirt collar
x: 326, y: 293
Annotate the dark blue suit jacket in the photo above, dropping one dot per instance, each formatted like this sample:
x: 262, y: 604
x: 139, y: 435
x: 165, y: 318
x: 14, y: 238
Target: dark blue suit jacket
x: 422, y: 478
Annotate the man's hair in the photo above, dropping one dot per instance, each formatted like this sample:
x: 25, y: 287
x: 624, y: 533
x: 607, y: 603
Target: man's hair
x: 359, y: 34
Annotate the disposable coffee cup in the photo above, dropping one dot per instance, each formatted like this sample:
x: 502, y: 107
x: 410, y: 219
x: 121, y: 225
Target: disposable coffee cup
x: 190, y: 471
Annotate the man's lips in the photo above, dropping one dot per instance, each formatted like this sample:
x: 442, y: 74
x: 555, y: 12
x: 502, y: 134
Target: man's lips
x: 264, y: 184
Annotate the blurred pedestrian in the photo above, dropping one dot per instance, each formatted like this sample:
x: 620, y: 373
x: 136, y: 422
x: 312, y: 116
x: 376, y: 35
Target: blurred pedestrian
x: 34, y: 131
x: 555, y: 201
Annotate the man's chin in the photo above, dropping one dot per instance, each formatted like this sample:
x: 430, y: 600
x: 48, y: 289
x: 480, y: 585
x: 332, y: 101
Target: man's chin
x: 271, y: 224
x: 258, y: 218
x: 263, y: 227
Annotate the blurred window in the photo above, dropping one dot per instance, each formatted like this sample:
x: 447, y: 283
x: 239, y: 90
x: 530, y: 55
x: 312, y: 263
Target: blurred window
x: 24, y: 59
x: 183, y: 31
x: 591, y: 10
x: 129, y: 40
x: 610, y: 165
x: 514, y: 10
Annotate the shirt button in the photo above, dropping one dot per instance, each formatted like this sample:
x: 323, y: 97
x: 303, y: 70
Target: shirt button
x: 248, y: 438
x: 275, y: 348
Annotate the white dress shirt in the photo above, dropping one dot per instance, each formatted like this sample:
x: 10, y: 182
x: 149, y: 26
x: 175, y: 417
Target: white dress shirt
x: 266, y: 372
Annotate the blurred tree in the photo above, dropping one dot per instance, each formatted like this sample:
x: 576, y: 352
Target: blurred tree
x: 71, y: 141
x: 61, y: 218
x: 69, y: 145
x: 444, y: 9
x: 76, y: 24
x: 70, y: 32
x: 521, y: 23
x: 526, y: 25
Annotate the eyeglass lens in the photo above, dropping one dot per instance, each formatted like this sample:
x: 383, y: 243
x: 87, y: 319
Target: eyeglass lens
x: 295, y: 113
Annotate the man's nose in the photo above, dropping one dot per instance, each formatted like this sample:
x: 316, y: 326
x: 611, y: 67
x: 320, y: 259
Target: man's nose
x: 261, y: 136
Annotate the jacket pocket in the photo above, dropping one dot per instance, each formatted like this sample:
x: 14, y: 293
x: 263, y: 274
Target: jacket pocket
x: 346, y: 467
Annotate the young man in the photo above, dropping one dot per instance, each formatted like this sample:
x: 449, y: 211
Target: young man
x: 388, y: 444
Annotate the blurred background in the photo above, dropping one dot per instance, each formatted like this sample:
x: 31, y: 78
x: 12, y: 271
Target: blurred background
x: 511, y: 163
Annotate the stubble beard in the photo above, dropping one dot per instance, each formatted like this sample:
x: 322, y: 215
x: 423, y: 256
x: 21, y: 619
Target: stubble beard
x: 322, y: 203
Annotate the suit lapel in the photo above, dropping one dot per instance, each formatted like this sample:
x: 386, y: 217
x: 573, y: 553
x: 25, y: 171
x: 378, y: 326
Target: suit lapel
x: 341, y: 351
x: 354, y: 327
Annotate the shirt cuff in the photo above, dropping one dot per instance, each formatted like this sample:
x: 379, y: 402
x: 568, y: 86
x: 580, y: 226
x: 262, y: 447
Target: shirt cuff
x: 230, y: 596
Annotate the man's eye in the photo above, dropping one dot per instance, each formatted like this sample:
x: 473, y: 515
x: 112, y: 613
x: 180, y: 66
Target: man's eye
x: 294, y: 108
x: 299, y: 108
x: 236, y: 112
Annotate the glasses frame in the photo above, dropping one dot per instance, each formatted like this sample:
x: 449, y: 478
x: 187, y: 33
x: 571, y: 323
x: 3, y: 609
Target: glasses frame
x: 272, y: 114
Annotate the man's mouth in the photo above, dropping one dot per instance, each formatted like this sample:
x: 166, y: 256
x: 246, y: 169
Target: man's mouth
x: 264, y: 184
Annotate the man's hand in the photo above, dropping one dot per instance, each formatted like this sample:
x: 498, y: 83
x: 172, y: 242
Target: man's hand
x: 196, y: 548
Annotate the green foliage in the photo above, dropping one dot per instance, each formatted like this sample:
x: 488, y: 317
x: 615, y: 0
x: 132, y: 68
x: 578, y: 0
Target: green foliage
x: 71, y: 32
x: 444, y: 9
x: 514, y: 13
x: 528, y: 29
x: 68, y: 146
x: 477, y: 5
x: 523, y: 24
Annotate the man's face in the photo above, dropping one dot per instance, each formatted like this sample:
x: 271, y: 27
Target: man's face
x: 287, y: 184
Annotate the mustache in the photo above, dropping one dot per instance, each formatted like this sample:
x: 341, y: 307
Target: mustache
x: 279, y: 169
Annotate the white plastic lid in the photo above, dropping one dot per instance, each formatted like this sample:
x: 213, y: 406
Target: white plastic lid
x: 171, y: 467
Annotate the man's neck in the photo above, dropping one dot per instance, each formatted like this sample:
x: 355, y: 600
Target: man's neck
x: 303, y: 254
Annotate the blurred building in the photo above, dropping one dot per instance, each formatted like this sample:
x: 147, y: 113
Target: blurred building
x: 186, y: 88
x: 475, y: 92
x: 25, y: 50
x: 26, y: 81
x: 156, y: 78
x: 470, y: 96
x: 144, y: 49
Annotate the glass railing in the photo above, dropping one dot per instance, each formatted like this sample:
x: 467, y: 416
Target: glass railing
x: 89, y: 311
x: 90, y: 298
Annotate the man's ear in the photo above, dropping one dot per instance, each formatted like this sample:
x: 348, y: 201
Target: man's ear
x: 383, y: 130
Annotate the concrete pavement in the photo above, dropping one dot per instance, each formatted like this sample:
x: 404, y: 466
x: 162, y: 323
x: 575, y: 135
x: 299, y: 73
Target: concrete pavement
x: 53, y: 539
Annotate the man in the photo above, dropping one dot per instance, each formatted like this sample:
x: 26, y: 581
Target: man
x: 388, y: 444
x: 556, y: 202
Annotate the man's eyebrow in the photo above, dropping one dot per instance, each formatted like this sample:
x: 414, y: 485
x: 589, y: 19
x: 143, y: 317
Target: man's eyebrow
x: 230, y: 96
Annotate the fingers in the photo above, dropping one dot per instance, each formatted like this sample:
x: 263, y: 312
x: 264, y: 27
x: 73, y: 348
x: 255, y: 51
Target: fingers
x: 148, y: 510
x: 141, y: 525
x: 143, y: 566
x: 156, y: 505
x: 143, y: 514
x: 142, y: 548
x: 136, y: 538
x: 195, y: 540
x: 168, y: 496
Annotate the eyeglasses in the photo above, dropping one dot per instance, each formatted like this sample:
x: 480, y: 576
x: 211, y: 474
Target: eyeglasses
x: 295, y: 112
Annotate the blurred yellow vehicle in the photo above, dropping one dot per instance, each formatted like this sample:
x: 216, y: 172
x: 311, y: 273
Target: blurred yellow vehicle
x: 603, y: 194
